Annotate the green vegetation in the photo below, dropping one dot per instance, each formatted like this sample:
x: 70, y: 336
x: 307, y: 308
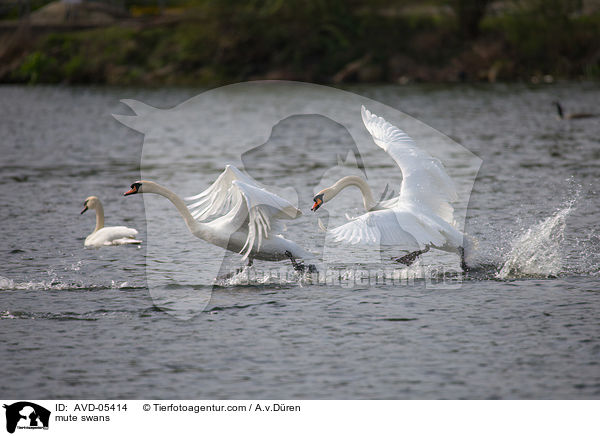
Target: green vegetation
x: 549, y: 39
x: 216, y: 42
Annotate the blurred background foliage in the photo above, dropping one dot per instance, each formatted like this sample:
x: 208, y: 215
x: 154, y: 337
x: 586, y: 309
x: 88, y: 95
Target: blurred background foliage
x: 211, y: 42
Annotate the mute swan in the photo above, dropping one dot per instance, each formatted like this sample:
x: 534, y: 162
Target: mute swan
x: 564, y: 116
x: 235, y: 213
x: 420, y: 217
x: 119, y: 235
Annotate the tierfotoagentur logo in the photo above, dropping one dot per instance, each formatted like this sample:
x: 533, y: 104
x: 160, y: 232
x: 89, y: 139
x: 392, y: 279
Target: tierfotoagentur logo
x: 251, y: 169
x: 25, y: 415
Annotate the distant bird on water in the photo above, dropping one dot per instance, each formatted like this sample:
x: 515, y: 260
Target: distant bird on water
x: 118, y: 235
x: 564, y: 116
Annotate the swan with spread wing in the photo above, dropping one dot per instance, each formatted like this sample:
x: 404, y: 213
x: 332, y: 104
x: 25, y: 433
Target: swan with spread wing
x: 420, y: 218
x: 237, y: 214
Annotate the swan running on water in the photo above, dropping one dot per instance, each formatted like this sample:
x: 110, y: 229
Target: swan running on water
x: 237, y: 214
x: 118, y: 235
x: 420, y: 218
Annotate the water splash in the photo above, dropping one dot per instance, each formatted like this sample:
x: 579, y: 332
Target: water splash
x: 589, y: 247
x: 75, y: 266
x: 537, y: 252
x: 9, y: 284
x: 7, y: 315
x: 253, y: 276
x: 55, y: 284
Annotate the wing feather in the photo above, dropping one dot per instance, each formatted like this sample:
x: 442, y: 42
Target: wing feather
x: 425, y: 181
x: 405, y: 230
x: 115, y: 235
x: 239, y: 195
x: 264, y: 210
x: 218, y: 199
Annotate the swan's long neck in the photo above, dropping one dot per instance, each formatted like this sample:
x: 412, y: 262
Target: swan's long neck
x: 560, y: 110
x: 197, y: 228
x: 99, y: 216
x: 359, y: 182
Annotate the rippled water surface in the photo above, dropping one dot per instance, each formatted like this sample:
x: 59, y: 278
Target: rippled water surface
x: 82, y: 323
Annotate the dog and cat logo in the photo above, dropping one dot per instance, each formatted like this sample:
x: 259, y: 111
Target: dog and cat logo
x: 26, y: 415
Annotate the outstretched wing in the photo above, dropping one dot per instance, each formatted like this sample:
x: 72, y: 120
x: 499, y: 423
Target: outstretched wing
x: 424, y: 180
x: 263, y: 209
x: 218, y: 199
x: 389, y: 227
x: 243, y: 200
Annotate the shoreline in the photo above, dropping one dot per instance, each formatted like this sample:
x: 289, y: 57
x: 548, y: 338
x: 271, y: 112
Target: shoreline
x: 203, y: 50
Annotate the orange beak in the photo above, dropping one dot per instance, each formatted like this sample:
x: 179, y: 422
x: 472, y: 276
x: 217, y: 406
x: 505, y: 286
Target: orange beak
x: 131, y: 191
x: 317, y: 204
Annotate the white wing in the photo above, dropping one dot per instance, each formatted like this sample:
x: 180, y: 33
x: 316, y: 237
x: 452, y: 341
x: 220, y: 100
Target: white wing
x: 387, y: 204
x: 218, y: 198
x: 117, y: 235
x: 240, y: 198
x: 264, y: 209
x: 390, y: 227
x: 425, y: 182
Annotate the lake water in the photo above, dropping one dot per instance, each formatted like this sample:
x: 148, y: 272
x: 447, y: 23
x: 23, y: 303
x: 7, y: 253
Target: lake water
x: 124, y: 322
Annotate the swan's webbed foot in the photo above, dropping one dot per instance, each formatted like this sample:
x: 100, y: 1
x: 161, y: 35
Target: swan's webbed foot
x: 299, y: 266
x: 410, y: 258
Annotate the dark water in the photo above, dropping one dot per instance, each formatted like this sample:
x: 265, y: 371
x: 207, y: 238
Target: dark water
x: 80, y: 323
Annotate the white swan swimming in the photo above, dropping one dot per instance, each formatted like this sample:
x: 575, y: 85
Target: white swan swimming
x: 420, y: 218
x: 118, y: 235
x: 235, y: 213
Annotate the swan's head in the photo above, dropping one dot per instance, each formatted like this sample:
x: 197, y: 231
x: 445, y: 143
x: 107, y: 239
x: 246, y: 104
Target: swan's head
x: 90, y: 203
x: 322, y: 197
x: 319, y: 200
x: 136, y: 188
